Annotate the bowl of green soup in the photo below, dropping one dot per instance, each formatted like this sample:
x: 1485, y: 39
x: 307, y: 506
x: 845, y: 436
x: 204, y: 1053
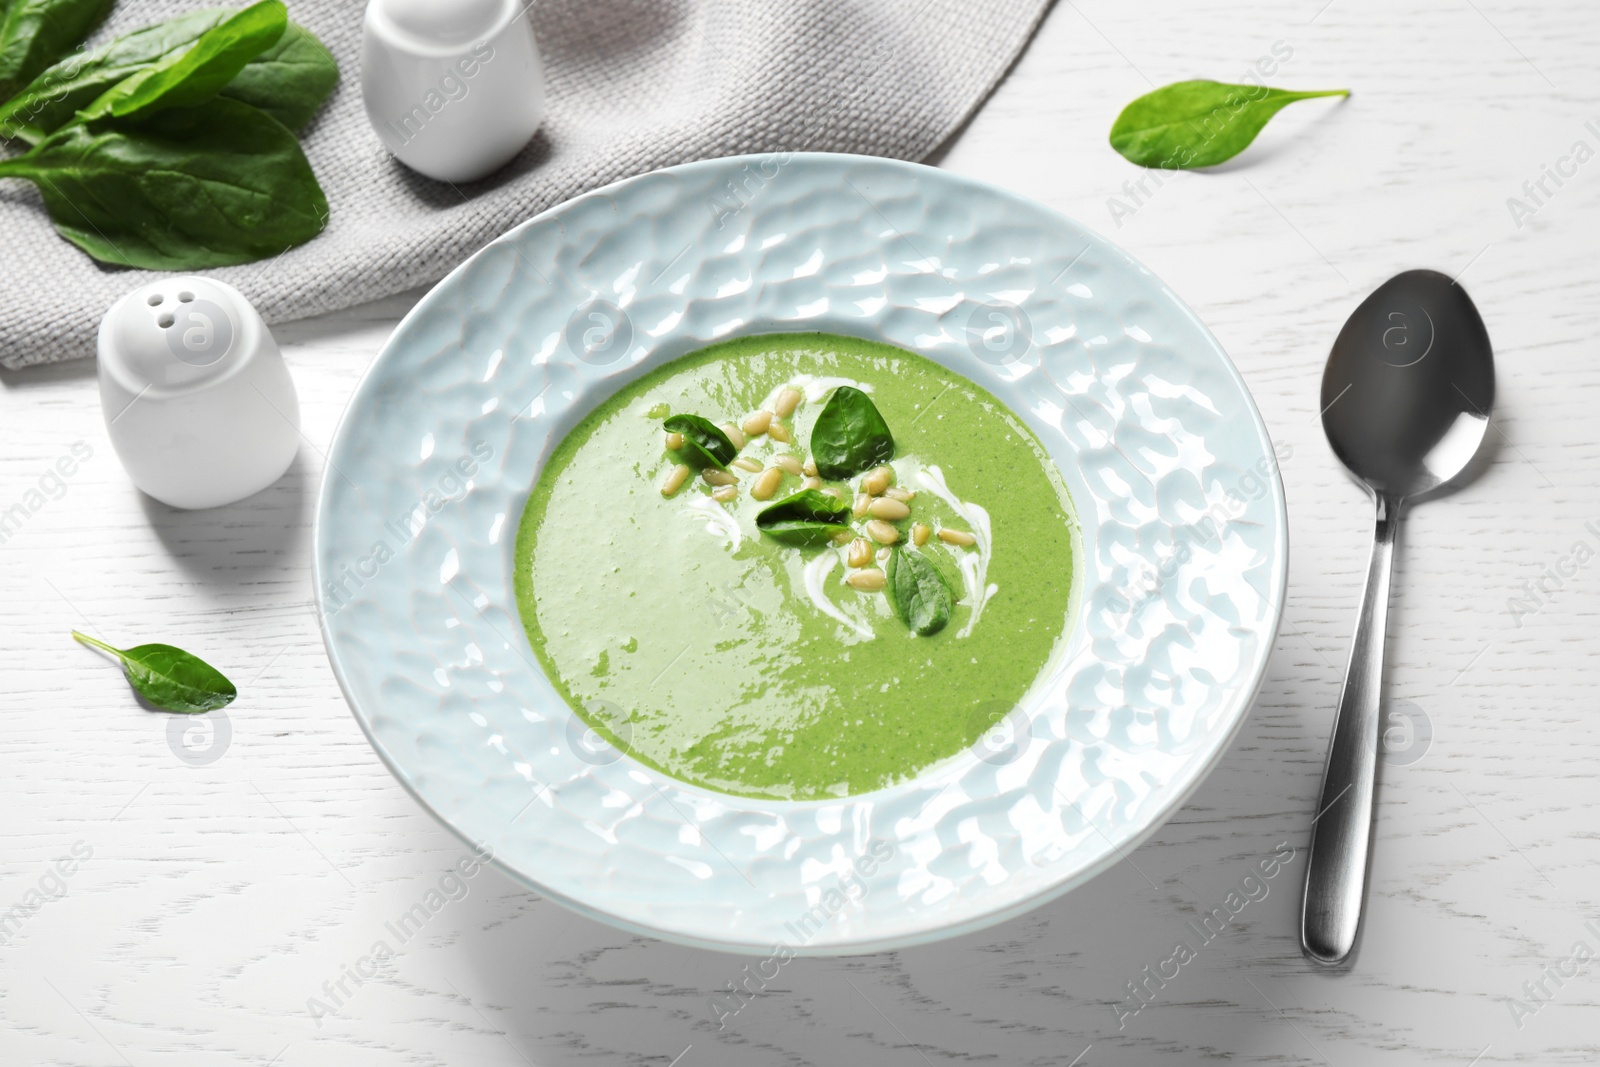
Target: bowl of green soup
x: 801, y: 554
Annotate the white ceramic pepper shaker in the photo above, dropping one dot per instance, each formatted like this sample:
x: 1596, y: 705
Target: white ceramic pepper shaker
x: 454, y: 88
x: 197, y: 400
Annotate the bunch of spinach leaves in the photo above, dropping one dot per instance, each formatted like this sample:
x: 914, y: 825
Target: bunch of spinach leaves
x: 172, y: 147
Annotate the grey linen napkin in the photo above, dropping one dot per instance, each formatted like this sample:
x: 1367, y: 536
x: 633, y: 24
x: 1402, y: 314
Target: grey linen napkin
x: 633, y: 85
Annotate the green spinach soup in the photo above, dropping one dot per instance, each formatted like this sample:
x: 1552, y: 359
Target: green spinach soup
x: 796, y: 566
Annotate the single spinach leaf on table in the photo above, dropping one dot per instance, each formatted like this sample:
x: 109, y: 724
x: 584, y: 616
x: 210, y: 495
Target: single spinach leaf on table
x: 170, y: 678
x: 288, y: 81
x: 36, y: 33
x: 1199, y: 123
x: 805, y: 519
x: 703, y: 443
x: 918, y: 592
x: 850, y: 435
x: 185, y: 189
x: 199, y: 72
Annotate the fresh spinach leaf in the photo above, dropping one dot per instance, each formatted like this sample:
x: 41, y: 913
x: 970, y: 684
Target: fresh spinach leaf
x: 1198, y: 123
x: 918, y: 592
x: 199, y: 72
x: 51, y: 99
x: 186, y: 189
x: 288, y: 81
x: 805, y: 519
x: 703, y: 443
x: 171, y: 678
x: 849, y: 435
x: 36, y: 33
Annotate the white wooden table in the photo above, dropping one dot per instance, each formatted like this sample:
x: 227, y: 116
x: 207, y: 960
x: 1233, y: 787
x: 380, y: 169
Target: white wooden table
x: 226, y: 879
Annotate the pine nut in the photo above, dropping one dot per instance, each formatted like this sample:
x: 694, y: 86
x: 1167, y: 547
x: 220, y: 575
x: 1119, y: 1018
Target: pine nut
x: 674, y: 441
x: 779, y: 432
x: 787, y: 401
x: 734, y: 434
x: 810, y: 468
x: 905, y: 496
x: 882, y: 532
x: 767, y: 484
x: 860, y: 508
x: 725, y: 493
x: 884, y: 508
x: 877, y: 480
x: 811, y: 483
x: 957, y: 537
x: 837, y: 494
x: 675, y: 479
x: 757, y: 424
x: 919, y: 534
x: 868, y: 580
x: 842, y: 535
x: 745, y: 463
x: 860, y: 552
x: 790, y: 463
x: 712, y: 476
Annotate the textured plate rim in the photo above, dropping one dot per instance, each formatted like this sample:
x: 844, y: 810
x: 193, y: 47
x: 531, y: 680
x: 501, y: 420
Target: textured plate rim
x: 1204, y: 765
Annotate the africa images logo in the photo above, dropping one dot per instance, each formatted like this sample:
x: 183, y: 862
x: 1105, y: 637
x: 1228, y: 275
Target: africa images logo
x: 341, y: 584
x: 453, y: 86
x: 1252, y: 888
x: 1407, y: 336
x: 199, y: 332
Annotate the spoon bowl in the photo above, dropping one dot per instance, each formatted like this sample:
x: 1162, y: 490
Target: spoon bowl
x: 1409, y: 385
x: 1406, y: 398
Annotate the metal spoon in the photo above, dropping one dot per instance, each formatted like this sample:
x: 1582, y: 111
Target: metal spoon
x: 1406, y: 398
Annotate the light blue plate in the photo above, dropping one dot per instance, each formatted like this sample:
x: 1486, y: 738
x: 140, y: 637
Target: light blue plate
x: 1180, y: 580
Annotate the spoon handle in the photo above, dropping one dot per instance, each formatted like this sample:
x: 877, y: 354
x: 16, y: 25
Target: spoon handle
x: 1336, y: 867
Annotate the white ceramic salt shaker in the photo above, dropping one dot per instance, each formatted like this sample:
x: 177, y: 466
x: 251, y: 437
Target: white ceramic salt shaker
x: 454, y: 88
x: 198, y: 402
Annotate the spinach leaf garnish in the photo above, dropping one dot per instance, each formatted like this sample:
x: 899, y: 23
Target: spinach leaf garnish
x: 170, y: 678
x: 805, y: 519
x: 1198, y: 123
x: 918, y: 592
x: 703, y: 444
x: 849, y: 435
x: 199, y: 72
x: 36, y: 33
x: 184, y: 189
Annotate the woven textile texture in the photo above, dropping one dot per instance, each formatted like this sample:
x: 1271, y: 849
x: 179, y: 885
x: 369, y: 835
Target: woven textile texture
x: 633, y: 85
